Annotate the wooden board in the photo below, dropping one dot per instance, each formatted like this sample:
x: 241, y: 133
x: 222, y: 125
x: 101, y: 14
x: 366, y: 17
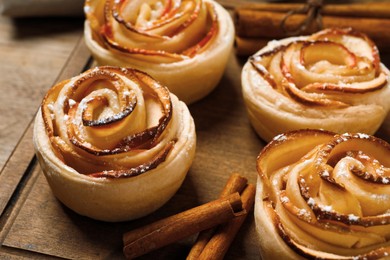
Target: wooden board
x: 34, y: 225
x: 30, y: 64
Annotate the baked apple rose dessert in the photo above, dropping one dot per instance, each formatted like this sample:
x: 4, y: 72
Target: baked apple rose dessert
x: 113, y: 143
x: 324, y: 195
x: 329, y: 80
x: 183, y: 44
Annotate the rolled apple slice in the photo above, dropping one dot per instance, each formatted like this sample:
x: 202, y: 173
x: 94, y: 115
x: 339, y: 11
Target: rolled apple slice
x: 329, y: 80
x: 113, y: 143
x: 323, y: 195
x: 183, y: 44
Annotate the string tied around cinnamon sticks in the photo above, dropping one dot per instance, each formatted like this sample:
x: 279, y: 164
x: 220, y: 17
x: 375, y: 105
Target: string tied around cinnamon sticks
x: 313, y: 11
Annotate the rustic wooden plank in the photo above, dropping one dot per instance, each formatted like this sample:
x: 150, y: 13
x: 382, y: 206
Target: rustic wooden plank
x: 36, y: 225
x: 48, y: 232
x: 18, y: 162
x: 30, y: 62
x: 32, y: 51
x: 7, y: 219
x: 15, y: 168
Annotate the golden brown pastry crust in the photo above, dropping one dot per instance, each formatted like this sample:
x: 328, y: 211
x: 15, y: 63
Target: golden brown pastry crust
x: 113, y: 143
x: 329, y: 80
x: 185, y: 47
x: 323, y: 195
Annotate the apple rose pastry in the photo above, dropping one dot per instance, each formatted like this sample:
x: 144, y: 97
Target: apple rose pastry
x: 183, y: 44
x: 329, y: 80
x: 113, y: 143
x: 323, y: 195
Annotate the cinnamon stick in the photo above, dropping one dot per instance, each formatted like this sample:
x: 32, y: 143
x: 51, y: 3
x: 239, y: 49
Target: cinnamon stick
x: 219, y: 244
x: 253, y: 28
x: 373, y: 9
x: 263, y: 24
x: 235, y: 183
x: 158, y: 234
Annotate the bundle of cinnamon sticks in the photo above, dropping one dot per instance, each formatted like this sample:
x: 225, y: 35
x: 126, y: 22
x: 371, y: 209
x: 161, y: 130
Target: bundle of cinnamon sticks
x: 258, y: 23
x: 217, y: 223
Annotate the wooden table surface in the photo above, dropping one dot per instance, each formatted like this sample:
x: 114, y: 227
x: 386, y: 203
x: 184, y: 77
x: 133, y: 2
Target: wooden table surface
x: 37, y: 52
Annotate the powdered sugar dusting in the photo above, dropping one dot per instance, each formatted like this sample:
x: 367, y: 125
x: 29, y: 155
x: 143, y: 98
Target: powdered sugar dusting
x: 327, y: 208
x: 311, y: 202
x: 280, y: 138
x: 50, y: 106
x: 71, y: 102
x: 284, y: 199
x: 363, y: 136
x: 353, y: 218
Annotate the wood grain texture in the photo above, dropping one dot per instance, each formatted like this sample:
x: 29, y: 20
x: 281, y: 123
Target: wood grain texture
x: 34, y: 225
x: 19, y: 160
x: 32, y: 51
x: 35, y: 54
